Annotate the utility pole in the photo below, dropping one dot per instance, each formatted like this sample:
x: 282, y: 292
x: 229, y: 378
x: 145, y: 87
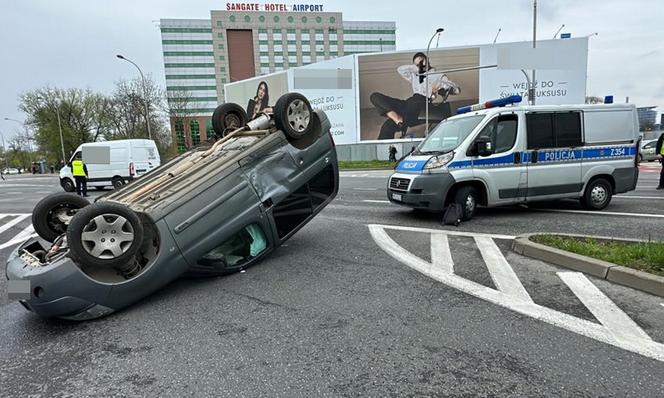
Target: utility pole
x: 531, y: 93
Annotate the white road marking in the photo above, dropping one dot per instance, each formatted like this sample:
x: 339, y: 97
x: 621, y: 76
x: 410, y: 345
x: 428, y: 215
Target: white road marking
x: 22, y: 185
x: 445, y: 231
x: 27, y: 232
x: 646, y: 347
x: 13, y: 222
x: 13, y: 193
x: 605, y: 310
x: 603, y: 213
x: 502, y: 274
x: 375, y: 201
x: 638, y: 197
x: 441, y: 255
x: 369, y: 189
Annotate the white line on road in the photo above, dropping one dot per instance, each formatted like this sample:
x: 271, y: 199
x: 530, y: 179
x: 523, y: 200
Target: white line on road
x: 441, y: 255
x: 645, y: 347
x: 502, y: 274
x: 13, y: 222
x: 638, y: 197
x: 442, y: 231
x: 605, y: 310
x: 365, y: 189
x: 375, y: 201
x: 23, y: 185
x: 603, y: 213
x: 27, y: 232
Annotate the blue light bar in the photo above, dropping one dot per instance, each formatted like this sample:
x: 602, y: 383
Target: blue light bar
x: 608, y: 99
x: 512, y: 99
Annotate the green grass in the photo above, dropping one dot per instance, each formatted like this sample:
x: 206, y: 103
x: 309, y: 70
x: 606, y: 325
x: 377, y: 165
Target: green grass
x: 647, y: 256
x: 366, y: 164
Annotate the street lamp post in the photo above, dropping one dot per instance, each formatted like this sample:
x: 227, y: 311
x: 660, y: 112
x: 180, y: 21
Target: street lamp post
x: 145, y: 93
x: 558, y: 31
x: 426, y: 82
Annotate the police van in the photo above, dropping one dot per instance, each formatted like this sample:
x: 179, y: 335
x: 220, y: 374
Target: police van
x: 499, y: 153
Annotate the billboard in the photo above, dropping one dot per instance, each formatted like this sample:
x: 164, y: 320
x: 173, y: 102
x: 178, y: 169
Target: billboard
x: 383, y: 96
x: 393, y: 94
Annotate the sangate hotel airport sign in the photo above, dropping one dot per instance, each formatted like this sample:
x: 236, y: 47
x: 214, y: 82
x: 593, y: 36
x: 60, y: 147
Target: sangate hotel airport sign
x: 283, y: 7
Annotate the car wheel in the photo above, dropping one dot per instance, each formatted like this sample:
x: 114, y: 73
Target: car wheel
x: 105, y: 235
x: 640, y: 158
x: 466, y: 197
x: 68, y: 185
x: 293, y: 115
x: 597, y: 195
x: 228, y: 117
x: 52, y: 215
x: 117, y: 182
x: 99, y: 188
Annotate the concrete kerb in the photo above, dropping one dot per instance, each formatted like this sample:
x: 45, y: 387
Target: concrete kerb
x: 615, y: 273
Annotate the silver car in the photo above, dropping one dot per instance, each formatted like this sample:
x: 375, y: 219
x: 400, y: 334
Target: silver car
x: 648, y: 151
x: 214, y: 210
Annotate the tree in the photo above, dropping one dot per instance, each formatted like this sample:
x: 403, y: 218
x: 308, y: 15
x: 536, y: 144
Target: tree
x: 177, y: 107
x: 81, y: 118
x: 127, y: 111
x: 591, y: 99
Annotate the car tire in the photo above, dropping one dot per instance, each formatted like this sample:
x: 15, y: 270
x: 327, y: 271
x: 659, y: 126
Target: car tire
x: 117, y: 182
x: 597, y: 195
x: 227, y: 117
x: 53, y: 214
x: 99, y: 188
x: 105, y: 235
x: 294, y: 115
x: 466, y: 197
x: 640, y: 158
x: 68, y: 185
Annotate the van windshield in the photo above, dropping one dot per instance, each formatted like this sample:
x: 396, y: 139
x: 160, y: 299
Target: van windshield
x: 448, y: 135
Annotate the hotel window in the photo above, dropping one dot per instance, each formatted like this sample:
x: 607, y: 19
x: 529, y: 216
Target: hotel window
x: 292, y: 59
x: 276, y: 36
x: 306, y: 59
x: 292, y: 47
x: 278, y: 48
x: 265, y: 70
x: 278, y: 59
x: 262, y: 36
x: 306, y: 37
x: 264, y: 59
x: 306, y: 48
x: 262, y: 47
x: 290, y: 36
x: 334, y: 48
x: 332, y: 37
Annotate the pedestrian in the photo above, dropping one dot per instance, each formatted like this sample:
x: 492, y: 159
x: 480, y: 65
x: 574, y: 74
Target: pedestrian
x: 393, y: 153
x: 659, y: 150
x: 52, y: 169
x: 80, y: 172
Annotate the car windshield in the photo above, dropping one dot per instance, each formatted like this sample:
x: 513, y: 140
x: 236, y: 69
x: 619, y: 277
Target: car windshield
x: 448, y: 135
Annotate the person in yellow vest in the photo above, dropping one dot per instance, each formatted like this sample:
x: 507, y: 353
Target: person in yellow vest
x: 659, y: 150
x: 80, y: 172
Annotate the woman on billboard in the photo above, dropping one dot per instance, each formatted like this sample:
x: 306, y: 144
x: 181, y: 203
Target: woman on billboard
x: 260, y: 102
x: 402, y: 113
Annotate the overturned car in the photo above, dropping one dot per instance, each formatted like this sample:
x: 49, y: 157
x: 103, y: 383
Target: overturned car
x: 214, y: 210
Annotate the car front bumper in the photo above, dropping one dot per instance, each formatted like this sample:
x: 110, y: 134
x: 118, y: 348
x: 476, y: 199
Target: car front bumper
x: 423, y: 191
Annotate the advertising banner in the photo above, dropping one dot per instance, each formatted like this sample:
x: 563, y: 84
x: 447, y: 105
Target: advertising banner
x: 393, y: 95
x: 258, y: 94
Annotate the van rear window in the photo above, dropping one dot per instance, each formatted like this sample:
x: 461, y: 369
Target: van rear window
x: 554, y: 130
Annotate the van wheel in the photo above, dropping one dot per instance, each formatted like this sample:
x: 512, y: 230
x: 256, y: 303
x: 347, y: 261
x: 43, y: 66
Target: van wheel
x: 228, y: 117
x: 105, y: 235
x: 466, y: 197
x: 68, y: 185
x: 117, y: 182
x: 597, y: 195
x: 293, y: 115
x: 52, y: 215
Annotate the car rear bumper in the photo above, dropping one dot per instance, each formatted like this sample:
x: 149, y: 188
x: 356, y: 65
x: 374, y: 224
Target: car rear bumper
x: 423, y: 191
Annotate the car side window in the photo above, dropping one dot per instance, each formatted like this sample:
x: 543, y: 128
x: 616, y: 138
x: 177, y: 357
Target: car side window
x: 649, y: 145
x: 245, y: 245
x: 501, y: 131
x: 554, y: 130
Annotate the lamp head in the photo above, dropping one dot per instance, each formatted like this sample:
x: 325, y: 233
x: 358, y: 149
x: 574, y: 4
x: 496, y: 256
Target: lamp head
x: 120, y: 56
x: 439, y: 30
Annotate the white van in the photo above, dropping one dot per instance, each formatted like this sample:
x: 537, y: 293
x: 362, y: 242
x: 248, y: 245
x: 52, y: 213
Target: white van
x: 112, y: 163
x: 516, y: 154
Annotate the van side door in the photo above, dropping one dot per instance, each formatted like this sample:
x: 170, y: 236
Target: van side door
x: 503, y: 171
x: 554, y: 154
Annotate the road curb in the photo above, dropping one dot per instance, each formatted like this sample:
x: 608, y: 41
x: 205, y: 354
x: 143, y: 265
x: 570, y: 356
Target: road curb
x: 625, y: 276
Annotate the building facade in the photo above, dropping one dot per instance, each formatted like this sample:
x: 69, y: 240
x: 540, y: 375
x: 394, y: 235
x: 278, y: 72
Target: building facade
x: 201, y: 55
x: 647, y: 117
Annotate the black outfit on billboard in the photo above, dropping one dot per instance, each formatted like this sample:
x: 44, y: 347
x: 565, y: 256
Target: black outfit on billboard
x: 409, y: 109
x: 658, y: 150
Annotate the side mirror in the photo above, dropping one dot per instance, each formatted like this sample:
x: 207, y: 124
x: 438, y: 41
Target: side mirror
x: 483, y: 147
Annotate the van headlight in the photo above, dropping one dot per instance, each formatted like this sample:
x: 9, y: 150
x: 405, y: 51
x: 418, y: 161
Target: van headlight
x: 439, y: 162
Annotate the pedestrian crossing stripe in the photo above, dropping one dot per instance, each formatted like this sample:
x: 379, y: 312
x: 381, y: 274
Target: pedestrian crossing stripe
x: 615, y: 327
x: 11, y: 220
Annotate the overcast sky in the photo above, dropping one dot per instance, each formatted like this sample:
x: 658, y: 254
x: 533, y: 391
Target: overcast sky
x: 72, y: 43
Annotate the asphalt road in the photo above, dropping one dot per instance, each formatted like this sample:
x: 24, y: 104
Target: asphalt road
x: 334, y: 313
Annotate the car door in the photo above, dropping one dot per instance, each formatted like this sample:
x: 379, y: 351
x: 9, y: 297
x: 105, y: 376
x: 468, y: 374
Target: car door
x: 554, y: 154
x: 502, y: 172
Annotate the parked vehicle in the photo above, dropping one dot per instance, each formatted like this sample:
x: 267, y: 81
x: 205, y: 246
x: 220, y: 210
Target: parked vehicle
x: 493, y: 156
x: 10, y: 170
x: 214, y: 210
x: 112, y: 163
x: 648, y: 151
